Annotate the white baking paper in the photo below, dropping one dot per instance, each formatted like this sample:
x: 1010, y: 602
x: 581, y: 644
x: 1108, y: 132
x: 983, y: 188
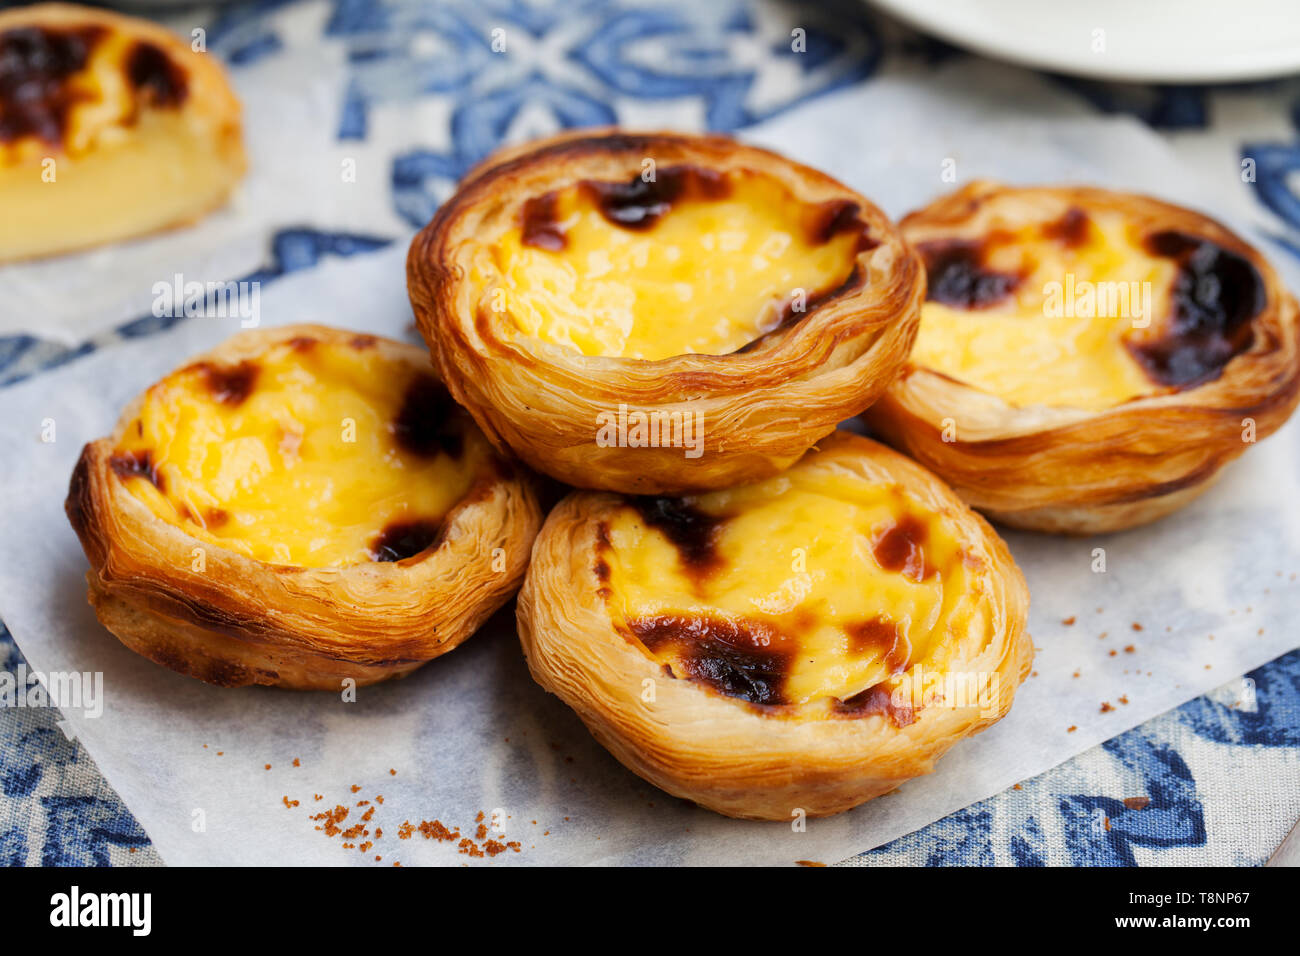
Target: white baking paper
x: 1213, y: 590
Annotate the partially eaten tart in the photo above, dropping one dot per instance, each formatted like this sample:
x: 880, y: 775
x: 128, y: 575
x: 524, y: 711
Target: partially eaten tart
x: 299, y: 507
x: 110, y: 127
x: 1087, y: 360
x: 799, y: 644
x: 660, y: 313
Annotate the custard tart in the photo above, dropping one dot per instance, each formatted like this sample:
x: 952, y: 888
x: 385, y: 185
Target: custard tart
x: 661, y: 313
x: 1087, y: 360
x: 110, y: 127
x: 799, y: 644
x: 300, y: 507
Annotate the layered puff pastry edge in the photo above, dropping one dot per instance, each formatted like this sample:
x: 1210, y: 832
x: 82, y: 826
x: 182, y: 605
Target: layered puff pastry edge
x: 111, y: 127
x: 1050, y: 410
x: 297, y: 507
x: 660, y: 312
x: 798, y: 645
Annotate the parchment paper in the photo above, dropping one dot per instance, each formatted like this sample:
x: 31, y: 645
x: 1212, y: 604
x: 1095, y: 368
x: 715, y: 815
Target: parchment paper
x: 1213, y: 590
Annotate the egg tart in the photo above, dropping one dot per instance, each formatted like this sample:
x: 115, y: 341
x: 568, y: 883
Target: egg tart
x: 802, y: 643
x: 660, y: 313
x: 299, y: 507
x: 110, y: 127
x: 1087, y: 360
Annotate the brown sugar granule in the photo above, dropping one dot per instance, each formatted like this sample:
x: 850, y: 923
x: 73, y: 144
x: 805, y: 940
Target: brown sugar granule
x: 1016, y: 787
x: 354, y: 831
x: 221, y: 753
x: 319, y: 796
x: 297, y: 762
x: 481, y: 832
x: 1069, y: 621
x: 379, y: 833
x: 330, y: 820
x: 1106, y: 708
x: 470, y: 848
x: 368, y: 814
x: 435, y: 830
x: 378, y: 858
x: 1137, y: 626
x: 1106, y: 822
x: 397, y: 863
x: 1137, y: 803
x: 289, y: 803
x: 1075, y: 674
x: 379, y: 799
x: 1124, y: 699
x: 355, y: 788
x: 392, y: 772
x: 365, y: 847
x: 405, y: 830
x: 349, y: 846
x: 1130, y: 649
x: 268, y: 766
x: 1071, y: 729
x: 808, y: 863
x: 1102, y: 635
x: 363, y: 803
x: 493, y: 847
x: 479, y: 818
x: 1113, y: 654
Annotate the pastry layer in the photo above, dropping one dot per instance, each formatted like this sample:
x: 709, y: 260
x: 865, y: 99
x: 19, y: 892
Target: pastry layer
x: 693, y: 261
x: 809, y: 588
x: 315, y: 454
x: 1087, y: 311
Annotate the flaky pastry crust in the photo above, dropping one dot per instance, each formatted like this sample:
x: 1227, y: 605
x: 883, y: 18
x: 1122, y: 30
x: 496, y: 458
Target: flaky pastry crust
x: 761, y: 407
x: 1076, y: 471
x: 731, y: 756
x: 241, y: 621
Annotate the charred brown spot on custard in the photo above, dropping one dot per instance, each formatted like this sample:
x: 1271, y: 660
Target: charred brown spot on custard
x: 136, y: 464
x: 741, y: 658
x: 876, y: 700
x: 157, y: 79
x: 900, y: 547
x: 882, y: 639
x: 1215, y: 295
x: 639, y: 203
x: 36, y: 64
x: 540, y: 225
x: 428, y: 421
x: 1071, y: 230
x: 363, y: 342
x: 303, y: 343
x: 836, y: 217
x: 691, y: 531
x: 215, y: 517
x: 405, y: 539
x: 229, y: 384
x: 957, y: 275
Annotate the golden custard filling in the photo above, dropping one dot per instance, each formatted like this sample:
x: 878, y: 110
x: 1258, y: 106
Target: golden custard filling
x: 811, y: 588
x: 1087, y: 311
x: 313, y: 454
x: 693, y: 261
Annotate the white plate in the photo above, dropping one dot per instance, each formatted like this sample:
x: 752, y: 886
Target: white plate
x: 1150, y: 41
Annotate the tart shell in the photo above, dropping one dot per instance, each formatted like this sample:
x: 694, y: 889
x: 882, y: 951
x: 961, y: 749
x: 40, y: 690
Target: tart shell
x: 242, y: 621
x: 761, y: 406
